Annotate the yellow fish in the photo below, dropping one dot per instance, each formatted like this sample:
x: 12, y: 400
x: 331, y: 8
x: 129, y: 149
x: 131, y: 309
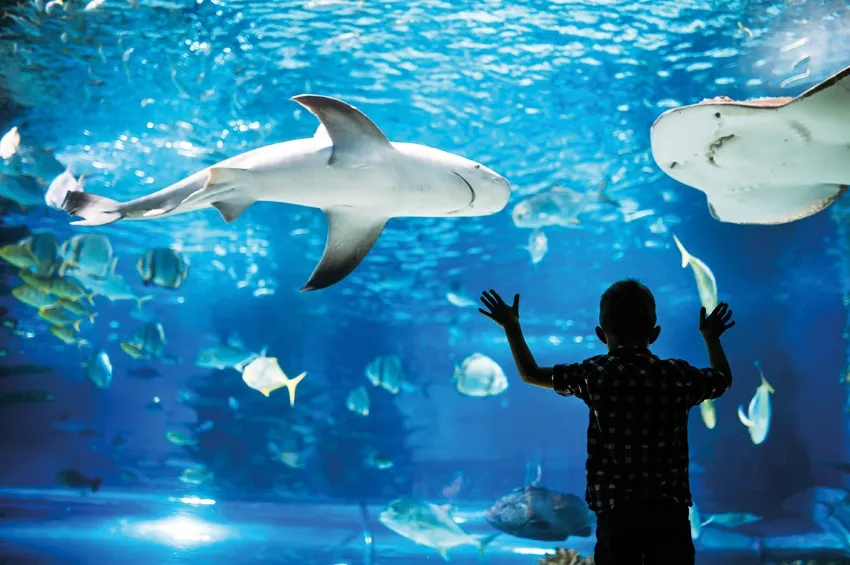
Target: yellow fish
x: 70, y: 290
x: 265, y: 375
x: 67, y: 336
x: 19, y: 256
x: 38, y: 282
x: 56, y: 317
x: 33, y: 297
x: 133, y: 350
x: 77, y: 309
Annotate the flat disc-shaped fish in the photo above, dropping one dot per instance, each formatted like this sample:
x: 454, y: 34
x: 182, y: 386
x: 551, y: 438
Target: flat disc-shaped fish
x: 766, y: 161
x: 540, y: 514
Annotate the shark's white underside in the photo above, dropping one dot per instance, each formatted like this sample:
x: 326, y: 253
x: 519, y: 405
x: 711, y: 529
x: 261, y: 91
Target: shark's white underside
x: 767, y: 161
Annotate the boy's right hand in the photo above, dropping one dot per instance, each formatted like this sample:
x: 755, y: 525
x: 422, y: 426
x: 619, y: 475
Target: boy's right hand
x: 713, y: 326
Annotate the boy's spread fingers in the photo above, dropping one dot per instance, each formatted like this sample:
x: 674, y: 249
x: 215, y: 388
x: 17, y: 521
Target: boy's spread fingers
x: 485, y: 313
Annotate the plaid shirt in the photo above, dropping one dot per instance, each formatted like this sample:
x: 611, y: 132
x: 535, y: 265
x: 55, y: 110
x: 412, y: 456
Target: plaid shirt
x: 637, y: 438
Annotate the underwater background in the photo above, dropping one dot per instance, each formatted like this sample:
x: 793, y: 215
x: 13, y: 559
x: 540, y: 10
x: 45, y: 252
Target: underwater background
x: 143, y: 444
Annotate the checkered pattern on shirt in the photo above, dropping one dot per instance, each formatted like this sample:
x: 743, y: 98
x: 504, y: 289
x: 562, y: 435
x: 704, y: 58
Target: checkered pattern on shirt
x: 637, y: 438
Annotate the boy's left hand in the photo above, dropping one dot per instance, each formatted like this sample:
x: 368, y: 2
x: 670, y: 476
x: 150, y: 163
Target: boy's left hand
x: 504, y: 315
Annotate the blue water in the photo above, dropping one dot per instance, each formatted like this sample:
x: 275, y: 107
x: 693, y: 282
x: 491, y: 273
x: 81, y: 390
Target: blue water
x: 137, y: 95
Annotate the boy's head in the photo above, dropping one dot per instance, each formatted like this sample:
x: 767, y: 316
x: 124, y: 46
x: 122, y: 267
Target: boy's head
x: 627, y: 315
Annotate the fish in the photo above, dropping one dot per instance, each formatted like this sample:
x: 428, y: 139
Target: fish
x: 18, y: 256
x: 538, y: 246
x: 9, y: 143
x: 265, y: 375
x: 163, y: 267
x: 732, y: 519
x: 25, y: 396
x: 480, y: 376
x: 133, y: 350
x: 348, y: 169
x: 196, y: 477
x: 759, y: 413
x: 99, y: 369
x: 70, y: 290
x: 61, y: 186
x: 67, y: 336
x: 26, y: 190
x: 358, y: 401
x: 536, y: 513
x: 33, y: 297
x: 77, y: 309
x: 181, y: 439
x: 45, y: 249
x: 559, y: 206
x: 150, y: 339
x: 429, y: 525
x: 459, y: 296
x: 38, y: 282
x: 88, y: 254
x: 707, y: 289
x: 230, y: 355
x: 113, y: 287
x: 56, y: 316
x: 765, y: 161
x: 387, y: 372
x: 379, y: 460
x: 75, y: 479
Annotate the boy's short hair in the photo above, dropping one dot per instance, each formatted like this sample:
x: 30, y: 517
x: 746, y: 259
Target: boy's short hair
x: 627, y: 311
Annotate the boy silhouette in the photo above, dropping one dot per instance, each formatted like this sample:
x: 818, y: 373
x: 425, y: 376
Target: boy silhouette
x: 637, y: 436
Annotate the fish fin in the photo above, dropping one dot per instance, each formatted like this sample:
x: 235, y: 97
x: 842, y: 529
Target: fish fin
x: 709, y: 521
x: 743, y: 417
x: 95, y: 210
x: 142, y: 300
x: 113, y: 265
x: 92, y: 316
x: 485, y: 541
x: 356, y: 139
x: 266, y: 391
x: 76, y: 325
x: 291, y: 384
x: 264, y: 350
x: 575, y: 221
x: 767, y: 385
x: 81, y: 343
x: 686, y: 257
x: 231, y: 209
x: 444, y: 553
x: 90, y: 297
x: 350, y: 237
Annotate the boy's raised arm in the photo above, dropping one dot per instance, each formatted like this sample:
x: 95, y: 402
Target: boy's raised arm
x: 508, y: 317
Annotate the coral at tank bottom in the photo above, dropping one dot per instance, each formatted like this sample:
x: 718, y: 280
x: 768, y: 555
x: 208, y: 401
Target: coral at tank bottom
x: 565, y: 557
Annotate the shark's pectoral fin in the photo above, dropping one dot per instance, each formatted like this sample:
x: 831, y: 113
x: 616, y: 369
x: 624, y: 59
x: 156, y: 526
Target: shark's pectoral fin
x: 231, y: 209
x: 356, y: 139
x: 351, y: 234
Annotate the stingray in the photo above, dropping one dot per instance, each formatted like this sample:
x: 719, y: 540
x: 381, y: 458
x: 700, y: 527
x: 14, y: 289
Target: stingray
x: 762, y: 161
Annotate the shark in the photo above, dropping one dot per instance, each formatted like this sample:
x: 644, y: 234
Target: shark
x: 349, y: 169
x: 763, y: 161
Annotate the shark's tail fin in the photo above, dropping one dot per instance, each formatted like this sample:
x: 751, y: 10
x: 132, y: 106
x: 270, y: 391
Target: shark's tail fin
x: 95, y: 210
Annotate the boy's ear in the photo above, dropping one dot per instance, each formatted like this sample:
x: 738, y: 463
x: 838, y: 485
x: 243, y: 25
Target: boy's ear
x: 601, y: 335
x: 654, y: 335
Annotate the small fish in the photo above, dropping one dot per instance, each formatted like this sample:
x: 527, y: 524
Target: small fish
x: 743, y: 29
x: 732, y: 519
x: 379, y: 460
x: 99, y: 369
x: 26, y: 396
x: 18, y: 255
x: 38, y: 282
x: 387, y: 372
x: 54, y: 315
x: 60, y: 187
x: 77, y: 309
x: 89, y: 255
x: 196, y: 477
x: 33, y: 297
x: 112, y: 287
x: 459, y: 296
x: 429, y: 525
x: 358, y: 401
x: 538, y: 246
x: 536, y: 513
x: 74, y: 479
x: 69, y: 290
x: 758, y: 416
x: 708, y: 413
x: 480, y: 376
x: 67, y: 336
x: 265, y: 375
x: 133, y: 350
x: 9, y: 143
x: 150, y: 338
x: 559, y: 207
x: 45, y: 248
x: 163, y: 267
x: 230, y: 355
x: 181, y: 439
x: 706, y: 283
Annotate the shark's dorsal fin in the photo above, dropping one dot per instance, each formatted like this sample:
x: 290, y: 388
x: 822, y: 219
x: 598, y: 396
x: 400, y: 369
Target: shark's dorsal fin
x: 351, y: 234
x: 830, y: 93
x: 355, y: 137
